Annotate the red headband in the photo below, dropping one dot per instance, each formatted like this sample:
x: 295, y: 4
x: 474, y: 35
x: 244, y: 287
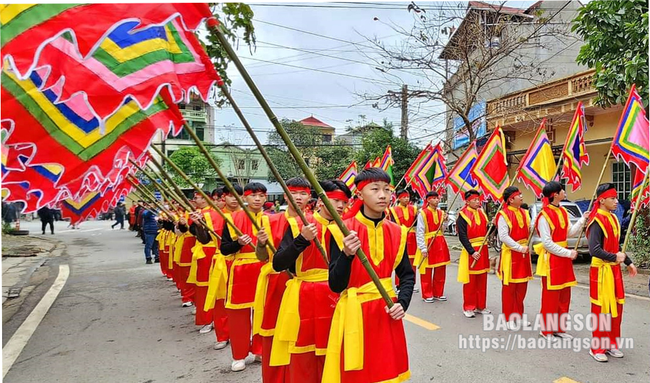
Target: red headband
x: 432, y: 196
x: 337, y: 194
x: 609, y: 193
x: 365, y: 183
x: 249, y: 192
x: 513, y: 195
x: 299, y: 189
x: 473, y: 196
x: 404, y: 193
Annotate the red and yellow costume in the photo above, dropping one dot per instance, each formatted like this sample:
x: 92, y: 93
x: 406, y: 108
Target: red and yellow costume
x: 556, y: 272
x: 474, y: 278
x: 215, y: 296
x: 365, y: 345
x: 268, y: 296
x: 606, y: 289
x: 406, y: 216
x: 183, y: 260
x: 199, y: 274
x: 433, y: 271
x: 515, y: 268
x: 303, y: 326
x: 242, y: 284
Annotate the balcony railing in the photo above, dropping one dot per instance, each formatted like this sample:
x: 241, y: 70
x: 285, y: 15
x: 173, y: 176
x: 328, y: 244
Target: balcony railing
x: 564, y: 89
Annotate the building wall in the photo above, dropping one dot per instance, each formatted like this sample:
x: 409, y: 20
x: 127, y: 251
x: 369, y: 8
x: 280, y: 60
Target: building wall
x: 603, y: 128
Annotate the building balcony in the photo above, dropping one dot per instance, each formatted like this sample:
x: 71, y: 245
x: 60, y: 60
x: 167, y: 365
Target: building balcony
x: 552, y: 98
x: 194, y: 115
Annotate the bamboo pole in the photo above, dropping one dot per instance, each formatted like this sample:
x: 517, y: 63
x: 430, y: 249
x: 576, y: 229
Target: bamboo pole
x: 208, y: 199
x: 179, y: 192
x: 216, y: 31
x: 270, y: 163
x: 593, y: 197
x: 441, y: 223
x: 169, y: 212
x: 228, y: 185
x: 636, y: 210
x: 170, y: 196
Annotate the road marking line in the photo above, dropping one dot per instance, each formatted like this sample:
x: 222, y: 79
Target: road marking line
x: 19, y: 340
x: 79, y: 230
x: 564, y: 379
x: 421, y: 322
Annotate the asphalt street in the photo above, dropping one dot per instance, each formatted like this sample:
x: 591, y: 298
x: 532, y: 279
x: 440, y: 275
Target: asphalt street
x: 117, y: 319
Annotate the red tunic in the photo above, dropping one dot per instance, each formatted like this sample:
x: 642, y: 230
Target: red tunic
x: 438, y: 252
x: 559, y: 269
x: 245, y: 270
x: 477, y: 223
x: 406, y: 216
x: 519, y: 267
x: 385, y: 355
x: 308, y: 295
x: 203, y: 254
x: 602, y: 273
x: 276, y: 282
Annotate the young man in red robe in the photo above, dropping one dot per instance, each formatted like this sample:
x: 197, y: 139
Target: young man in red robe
x: 202, y: 254
x: 183, y: 259
x: 515, y: 267
x: 272, y: 284
x: 405, y: 214
x: 303, y: 326
x: 433, y: 248
x: 379, y: 352
x: 243, y: 276
x: 555, y: 261
x: 219, y: 269
x: 607, y: 291
x: 472, y: 226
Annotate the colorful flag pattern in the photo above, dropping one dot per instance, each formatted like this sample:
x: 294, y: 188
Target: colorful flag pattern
x: 491, y: 167
x: 430, y: 173
x: 67, y: 133
x: 348, y: 176
x: 27, y: 28
x: 537, y: 166
x: 574, y: 153
x: 460, y: 177
x: 133, y: 64
x: 631, y: 140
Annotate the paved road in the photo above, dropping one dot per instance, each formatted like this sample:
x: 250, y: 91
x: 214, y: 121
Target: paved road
x: 119, y: 320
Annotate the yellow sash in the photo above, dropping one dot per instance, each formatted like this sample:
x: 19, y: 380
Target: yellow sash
x: 606, y: 287
x: 260, y: 298
x: 418, y: 254
x: 178, y: 247
x: 171, y: 240
x: 161, y: 239
x: 506, y: 262
x: 543, y: 265
x: 347, y: 324
x: 218, y: 280
x: 463, y: 262
x: 288, y: 325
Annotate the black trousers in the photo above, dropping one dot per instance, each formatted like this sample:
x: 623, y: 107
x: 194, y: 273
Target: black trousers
x: 45, y: 223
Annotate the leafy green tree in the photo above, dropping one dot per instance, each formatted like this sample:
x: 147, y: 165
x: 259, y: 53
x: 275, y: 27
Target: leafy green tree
x: 193, y: 163
x: 616, y: 45
x: 307, y: 139
x: 333, y: 159
x: 373, y: 145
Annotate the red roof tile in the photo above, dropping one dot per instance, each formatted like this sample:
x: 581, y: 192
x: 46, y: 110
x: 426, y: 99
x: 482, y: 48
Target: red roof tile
x: 312, y: 121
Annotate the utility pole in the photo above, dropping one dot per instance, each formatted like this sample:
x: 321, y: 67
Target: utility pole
x: 403, y: 98
x: 404, y: 128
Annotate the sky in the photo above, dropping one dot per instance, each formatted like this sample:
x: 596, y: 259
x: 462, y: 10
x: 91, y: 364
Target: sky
x: 315, y: 59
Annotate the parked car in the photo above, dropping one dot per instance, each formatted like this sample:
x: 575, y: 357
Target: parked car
x: 574, y: 215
